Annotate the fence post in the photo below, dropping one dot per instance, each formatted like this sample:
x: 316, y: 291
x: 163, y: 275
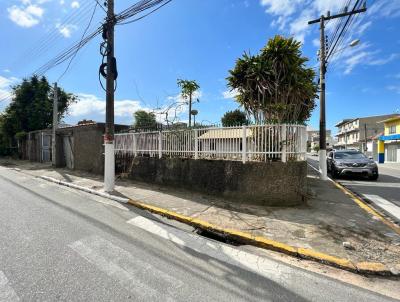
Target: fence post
x: 160, y: 144
x: 196, y: 144
x: 283, y: 142
x: 134, y: 144
x: 244, y: 145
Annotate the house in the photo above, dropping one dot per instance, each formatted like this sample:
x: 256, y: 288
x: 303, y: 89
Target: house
x: 79, y: 147
x: 389, y: 142
x: 354, y: 133
x: 313, y: 139
x: 229, y: 141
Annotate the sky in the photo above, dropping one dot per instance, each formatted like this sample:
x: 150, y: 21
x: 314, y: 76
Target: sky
x: 199, y: 40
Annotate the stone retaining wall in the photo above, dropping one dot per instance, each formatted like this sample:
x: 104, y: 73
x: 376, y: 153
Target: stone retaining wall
x: 270, y: 184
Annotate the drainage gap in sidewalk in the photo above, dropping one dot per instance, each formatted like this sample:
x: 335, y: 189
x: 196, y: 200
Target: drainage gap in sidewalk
x: 217, y: 236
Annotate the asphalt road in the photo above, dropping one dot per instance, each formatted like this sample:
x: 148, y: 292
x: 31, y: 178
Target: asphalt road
x: 58, y: 244
x: 383, y: 193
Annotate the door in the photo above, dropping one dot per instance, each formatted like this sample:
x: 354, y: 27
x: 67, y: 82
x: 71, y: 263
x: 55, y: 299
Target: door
x: 68, y: 144
x: 391, y: 153
x: 45, y: 148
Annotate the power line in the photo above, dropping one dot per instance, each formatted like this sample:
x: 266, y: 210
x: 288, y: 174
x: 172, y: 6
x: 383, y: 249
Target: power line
x: 342, y: 32
x: 49, y: 40
x: 79, y: 46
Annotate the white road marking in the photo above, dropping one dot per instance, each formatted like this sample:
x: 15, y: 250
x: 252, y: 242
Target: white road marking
x: 371, y: 184
x: 7, y: 293
x: 134, y: 275
x: 384, y: 204
x: 265, y: 267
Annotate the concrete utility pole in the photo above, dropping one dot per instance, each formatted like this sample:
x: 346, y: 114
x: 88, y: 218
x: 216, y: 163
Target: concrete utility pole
x: 109, y: 158
x: 55, y: 125
x: 323, y: 61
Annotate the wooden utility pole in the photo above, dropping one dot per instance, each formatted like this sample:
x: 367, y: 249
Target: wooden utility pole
x: 55, y: 126
x: 109, y: 156
x: 323, y: 61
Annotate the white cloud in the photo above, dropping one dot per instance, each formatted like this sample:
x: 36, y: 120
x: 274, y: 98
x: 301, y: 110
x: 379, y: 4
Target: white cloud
x: 89, y: 104
x: 395, y: 88
x: 5, y: 89
x: 25, y: 16
x: 75, y: 4
x: 230, y: 94
x: 292, y: 16
x: 66, y: 30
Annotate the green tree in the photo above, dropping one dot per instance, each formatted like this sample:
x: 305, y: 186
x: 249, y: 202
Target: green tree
x: 144, y: 120
x: 31, y: 108
x: 275, y: 85
x: 188, y: 88
x: 234, y: 118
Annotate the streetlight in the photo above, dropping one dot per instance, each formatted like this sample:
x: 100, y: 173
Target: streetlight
x: 324, y: 62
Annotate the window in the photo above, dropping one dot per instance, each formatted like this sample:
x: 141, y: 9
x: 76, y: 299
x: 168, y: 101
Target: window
x: 392, y: 129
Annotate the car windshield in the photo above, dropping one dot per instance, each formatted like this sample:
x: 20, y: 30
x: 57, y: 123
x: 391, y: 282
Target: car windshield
x: 349, y: 155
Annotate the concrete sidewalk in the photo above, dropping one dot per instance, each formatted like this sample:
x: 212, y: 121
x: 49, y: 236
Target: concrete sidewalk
x: 330, y: 217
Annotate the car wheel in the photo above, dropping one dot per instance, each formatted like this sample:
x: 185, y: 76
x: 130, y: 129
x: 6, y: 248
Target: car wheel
x: 334, y: 173
x: 374, y: 177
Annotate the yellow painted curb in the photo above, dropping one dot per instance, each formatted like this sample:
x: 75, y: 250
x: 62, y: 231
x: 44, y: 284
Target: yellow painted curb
x: 363, y: 205
x: 263, y: 242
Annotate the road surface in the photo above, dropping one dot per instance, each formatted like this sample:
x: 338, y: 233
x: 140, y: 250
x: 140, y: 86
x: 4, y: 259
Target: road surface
x: 58, y: 244
x: 384, y: 193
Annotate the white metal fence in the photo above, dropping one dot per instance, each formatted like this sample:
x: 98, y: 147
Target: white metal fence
x: 245, y: 143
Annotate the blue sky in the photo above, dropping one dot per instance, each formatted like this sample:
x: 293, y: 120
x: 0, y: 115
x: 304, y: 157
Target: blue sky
x: 200, y: 40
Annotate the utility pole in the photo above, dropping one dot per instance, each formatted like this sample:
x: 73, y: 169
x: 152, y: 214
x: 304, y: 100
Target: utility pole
x: 322, y: 119
x: 109, y: 156
x: 55, y: 126
x: 365, y: 139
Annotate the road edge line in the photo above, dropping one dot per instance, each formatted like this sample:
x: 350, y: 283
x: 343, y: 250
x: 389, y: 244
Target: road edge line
x: 366, y: 207
x: 363, y: 204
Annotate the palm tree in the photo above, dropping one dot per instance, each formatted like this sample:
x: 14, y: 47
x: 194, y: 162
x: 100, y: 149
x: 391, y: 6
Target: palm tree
x: 188, y: 88
x: 275, y: 85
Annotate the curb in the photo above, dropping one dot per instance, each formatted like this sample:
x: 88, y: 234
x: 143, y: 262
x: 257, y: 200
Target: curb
x: 366, y: 207
x: 367, y: 268
x: 87, y: 190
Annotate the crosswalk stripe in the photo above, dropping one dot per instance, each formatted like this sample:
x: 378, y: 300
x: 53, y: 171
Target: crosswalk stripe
x: 7, y: 293
x: 388, y: 206
x: 370, y: 184
x: 126, y: 269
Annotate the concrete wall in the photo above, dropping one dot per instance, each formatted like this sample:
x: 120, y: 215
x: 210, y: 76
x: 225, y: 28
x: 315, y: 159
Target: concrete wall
x: 88, y: 150
x: 270, y: 184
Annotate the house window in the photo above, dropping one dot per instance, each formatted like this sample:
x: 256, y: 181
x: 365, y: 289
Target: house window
x: 392, y: 129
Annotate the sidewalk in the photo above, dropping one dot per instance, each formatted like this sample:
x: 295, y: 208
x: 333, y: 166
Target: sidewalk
x: 330, y: 217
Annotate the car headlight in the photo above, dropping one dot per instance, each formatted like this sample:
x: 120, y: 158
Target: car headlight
x: 339, y: 164
x: 372, y: 164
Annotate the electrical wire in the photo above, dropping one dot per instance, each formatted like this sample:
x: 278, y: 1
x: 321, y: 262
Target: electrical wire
x: 342, y: 32
x: 79, y: 46
x: 51, y: 39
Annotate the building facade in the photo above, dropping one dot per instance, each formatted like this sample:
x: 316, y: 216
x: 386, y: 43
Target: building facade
x: 313, y: 140
x: 357, y: 133
x: 389, y: 142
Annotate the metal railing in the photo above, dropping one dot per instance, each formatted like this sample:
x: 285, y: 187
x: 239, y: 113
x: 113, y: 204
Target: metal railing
x: 243, y: 143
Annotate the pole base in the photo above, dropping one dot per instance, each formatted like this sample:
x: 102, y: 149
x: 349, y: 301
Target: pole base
x: 109, y: 167
x: 322, y: 165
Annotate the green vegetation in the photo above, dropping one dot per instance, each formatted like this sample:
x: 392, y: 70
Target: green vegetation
x: 275, y: 85
x: 31, y: 109
x: 234, y: 118
x: 144, y: 120
x: 188, y: 88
